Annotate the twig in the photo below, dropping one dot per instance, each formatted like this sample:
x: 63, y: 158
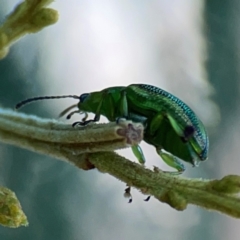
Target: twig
x: 93, y: 146
x: 28, y: 17
x: 11, y: 214
x: 178, y: 192
x: 57, y: 139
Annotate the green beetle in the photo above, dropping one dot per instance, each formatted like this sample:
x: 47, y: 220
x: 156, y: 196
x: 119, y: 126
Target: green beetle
x: 170, y: 125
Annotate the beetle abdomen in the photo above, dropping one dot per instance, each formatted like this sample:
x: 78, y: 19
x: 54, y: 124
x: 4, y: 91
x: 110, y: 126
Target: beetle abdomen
x: 149, y: 99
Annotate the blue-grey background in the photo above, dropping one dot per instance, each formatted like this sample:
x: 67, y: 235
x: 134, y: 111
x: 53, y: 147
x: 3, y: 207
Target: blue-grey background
x: 189, y: 48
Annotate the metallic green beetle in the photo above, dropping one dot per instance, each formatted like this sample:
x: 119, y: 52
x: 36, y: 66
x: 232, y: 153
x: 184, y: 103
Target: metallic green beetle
x: 170, y: 125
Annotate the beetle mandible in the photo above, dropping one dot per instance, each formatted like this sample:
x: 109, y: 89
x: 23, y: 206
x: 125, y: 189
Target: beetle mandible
x: 169, y: 124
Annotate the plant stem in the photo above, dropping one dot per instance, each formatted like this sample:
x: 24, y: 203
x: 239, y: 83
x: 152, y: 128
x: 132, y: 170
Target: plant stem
x: 92, y: 147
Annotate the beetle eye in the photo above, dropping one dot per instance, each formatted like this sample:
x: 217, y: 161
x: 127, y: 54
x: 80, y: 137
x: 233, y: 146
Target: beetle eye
x: 83, y: 97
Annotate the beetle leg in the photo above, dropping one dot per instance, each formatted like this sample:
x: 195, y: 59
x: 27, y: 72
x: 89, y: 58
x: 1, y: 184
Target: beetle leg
x: 186, y: 136
x: 111, y: 107
x: 65, y: 111
x: 72, y: 113
x: 168, y: 158
x: 175, y: 125
x: 171, y: 161
x: 97, y: 115
x: 185, y: 133
x: 83, y: 123
x: 155, y: 123
x: 124, y: 106
x: 137, y: 151
x: 195, y: 158
x: 85, y: 117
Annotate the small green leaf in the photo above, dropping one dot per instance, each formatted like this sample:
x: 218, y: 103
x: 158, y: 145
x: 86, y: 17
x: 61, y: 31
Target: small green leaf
x: 11, y: 214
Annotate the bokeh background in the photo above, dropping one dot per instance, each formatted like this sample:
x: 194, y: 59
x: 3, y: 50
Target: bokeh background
x: 190, y: 48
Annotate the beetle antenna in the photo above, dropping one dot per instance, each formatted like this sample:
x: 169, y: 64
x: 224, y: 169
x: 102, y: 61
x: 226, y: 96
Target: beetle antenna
x: 29, y: 100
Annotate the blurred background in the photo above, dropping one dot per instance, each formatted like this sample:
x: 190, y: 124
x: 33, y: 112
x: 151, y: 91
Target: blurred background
x: 190, y: 48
